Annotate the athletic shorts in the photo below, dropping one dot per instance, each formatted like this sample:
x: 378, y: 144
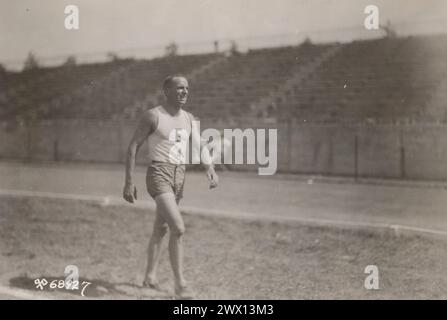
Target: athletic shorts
x: 162, y: 177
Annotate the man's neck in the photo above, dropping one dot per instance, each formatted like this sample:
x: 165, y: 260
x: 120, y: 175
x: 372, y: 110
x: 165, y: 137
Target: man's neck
x: 172, y: 109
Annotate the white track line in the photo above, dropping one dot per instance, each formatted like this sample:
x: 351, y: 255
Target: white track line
x: 111, y: 200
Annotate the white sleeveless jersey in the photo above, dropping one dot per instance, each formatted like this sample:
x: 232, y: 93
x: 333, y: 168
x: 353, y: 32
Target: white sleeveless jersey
x: 169, y: 142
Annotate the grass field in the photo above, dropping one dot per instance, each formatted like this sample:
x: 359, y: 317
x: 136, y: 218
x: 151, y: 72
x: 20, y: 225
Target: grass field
x: 225, y: 258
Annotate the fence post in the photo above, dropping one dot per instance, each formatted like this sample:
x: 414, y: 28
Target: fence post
x: 28, y: 140
x: 119, y: 123
x: 356, y: 156
x: 402, y: 154
x: 56, y: 150
x: 289, y: 146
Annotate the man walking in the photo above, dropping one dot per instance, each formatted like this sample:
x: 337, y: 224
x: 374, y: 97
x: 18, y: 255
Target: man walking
x: 167, y: 129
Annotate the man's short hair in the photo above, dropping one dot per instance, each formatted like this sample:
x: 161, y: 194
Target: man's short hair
x: 169, y: 79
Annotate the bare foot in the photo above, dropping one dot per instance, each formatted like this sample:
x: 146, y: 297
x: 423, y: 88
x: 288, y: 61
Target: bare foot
x: 153, y: 284
x: 184, y: 292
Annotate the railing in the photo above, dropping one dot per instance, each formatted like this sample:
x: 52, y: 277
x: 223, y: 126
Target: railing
x: 380, y: 151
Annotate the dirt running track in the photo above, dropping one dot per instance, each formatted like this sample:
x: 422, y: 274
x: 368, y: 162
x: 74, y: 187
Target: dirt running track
x: 404, y: 204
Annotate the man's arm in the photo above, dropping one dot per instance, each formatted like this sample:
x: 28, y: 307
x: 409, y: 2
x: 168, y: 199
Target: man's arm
x: 203, y: 152
x: 145, y: 127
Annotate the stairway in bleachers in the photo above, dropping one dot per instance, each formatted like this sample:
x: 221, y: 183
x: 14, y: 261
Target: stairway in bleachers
x: 115, y: 94
x: 229, y: 90
x: 375, y: 81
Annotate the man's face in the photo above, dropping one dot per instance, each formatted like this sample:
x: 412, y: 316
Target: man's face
x: 177, y: 93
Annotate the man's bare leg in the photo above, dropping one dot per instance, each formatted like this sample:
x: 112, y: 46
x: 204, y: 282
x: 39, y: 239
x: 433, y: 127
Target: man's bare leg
x: 168, y: 209
x: 154, y: 250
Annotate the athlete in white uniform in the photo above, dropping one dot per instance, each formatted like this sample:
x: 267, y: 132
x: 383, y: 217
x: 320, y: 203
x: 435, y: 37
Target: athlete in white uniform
x: 167, y: 130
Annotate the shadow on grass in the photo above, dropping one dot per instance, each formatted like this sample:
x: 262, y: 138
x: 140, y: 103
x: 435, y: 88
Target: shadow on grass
x: 88, y: 288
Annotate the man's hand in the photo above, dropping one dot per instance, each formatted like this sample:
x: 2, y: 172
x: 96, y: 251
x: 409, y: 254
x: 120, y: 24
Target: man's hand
x: 212, y: 177
x: 130, y: 192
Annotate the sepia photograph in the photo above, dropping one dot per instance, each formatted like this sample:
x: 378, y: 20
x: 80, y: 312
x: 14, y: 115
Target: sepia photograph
x: 245, y: 150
